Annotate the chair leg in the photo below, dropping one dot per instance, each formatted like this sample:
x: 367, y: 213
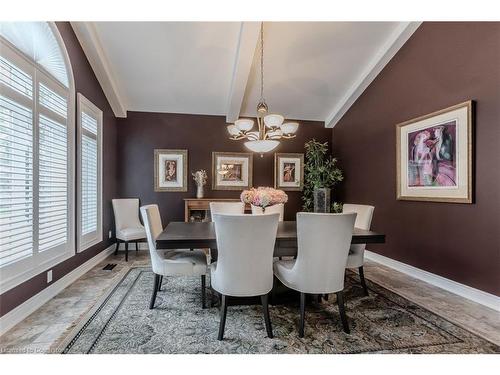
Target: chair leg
x: 126, y: 251
x: 155, y: 290
x: 223, y: 313
x: 302, y: 313
x: 343, y: 316
x: 203, y: 291
x: 159, y: 283
x: 316, y: 298
x: 136, y: 246
x: 219, y: 300
x: 362, y: 278
x: 117, y: 246
x: 265, y: 306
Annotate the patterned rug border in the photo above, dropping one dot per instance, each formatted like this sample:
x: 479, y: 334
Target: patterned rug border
x: 62, y: 345
x: 67, y: 342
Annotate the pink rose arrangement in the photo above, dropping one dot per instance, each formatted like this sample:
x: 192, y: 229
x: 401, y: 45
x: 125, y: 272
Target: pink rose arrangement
x: 263, y: 196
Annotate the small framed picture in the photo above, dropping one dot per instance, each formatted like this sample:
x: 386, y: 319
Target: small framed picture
x: 434, y: 156
x: 170, y: 170
x: 289, y: 171
x: 232, y: 170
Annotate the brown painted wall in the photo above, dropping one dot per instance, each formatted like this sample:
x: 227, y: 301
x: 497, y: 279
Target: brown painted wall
x: 141, y: 132
x: 87, y: 84
x: 442, y: 64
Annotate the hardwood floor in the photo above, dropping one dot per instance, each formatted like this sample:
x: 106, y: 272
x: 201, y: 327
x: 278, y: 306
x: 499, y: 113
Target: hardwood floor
x: 43, y: 330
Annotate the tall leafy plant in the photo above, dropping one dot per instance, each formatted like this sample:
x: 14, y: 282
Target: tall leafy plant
x: 320, y: 171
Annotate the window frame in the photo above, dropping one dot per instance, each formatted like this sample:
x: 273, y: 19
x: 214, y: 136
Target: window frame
x: 90, y: 239
x: 20, y: 271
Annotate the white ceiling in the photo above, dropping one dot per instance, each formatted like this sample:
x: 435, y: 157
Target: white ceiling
x: 313, y: 70
x: 309, y: 66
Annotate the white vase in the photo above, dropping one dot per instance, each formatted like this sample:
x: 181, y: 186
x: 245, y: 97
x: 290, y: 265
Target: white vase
x: 199, y: 191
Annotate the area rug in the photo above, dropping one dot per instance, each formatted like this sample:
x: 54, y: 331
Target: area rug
x: 383, y: 322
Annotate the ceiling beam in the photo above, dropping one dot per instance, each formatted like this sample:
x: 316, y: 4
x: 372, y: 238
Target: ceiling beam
x: 92, y: 47
x: 249, y: 35
x: 397, y: 39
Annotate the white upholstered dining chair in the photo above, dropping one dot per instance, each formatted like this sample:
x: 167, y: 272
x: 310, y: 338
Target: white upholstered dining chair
x: 244, y: 267
x: 171, y: 262
x: 356, y: 255
x: 323, y: 244
x: 275, y: 209
x: 230, y: 208
x: 128, y: 227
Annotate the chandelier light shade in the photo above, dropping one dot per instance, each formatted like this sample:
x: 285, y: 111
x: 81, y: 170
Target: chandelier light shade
x: 273, y: 121
x: 289, y: 128
x: 262, y: 146
x: 233, y: 130
x: 271, y: 127
x: 244, y: 124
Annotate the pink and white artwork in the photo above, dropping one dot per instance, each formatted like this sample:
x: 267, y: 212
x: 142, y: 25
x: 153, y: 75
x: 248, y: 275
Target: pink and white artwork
x: 432, y: 156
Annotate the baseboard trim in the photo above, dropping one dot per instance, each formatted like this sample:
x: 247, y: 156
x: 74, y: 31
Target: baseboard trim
x: 22, y: 311
x: 462, y: 290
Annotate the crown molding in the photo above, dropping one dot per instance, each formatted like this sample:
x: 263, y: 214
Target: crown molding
x: 397, y: 39
x: 92, y: 47
x: 249, y: 35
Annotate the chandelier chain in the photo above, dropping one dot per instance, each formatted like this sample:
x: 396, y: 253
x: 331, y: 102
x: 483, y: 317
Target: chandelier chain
x: 270, y: 126
x: 262, y: 61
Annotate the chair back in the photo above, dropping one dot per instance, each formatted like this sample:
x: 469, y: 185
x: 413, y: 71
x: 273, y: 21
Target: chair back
x: 275, y: 209
x: 126, y: 213
x: 229, y: 208
x: 364, y: 214
x: 245, y: 246
x: 363, y: 221
x: 152, y: 223
x: 323, y: 245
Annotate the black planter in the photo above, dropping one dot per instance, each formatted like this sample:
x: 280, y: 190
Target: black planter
x: 322, y: 200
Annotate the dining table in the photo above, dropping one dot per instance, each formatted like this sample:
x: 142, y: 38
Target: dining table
x: 201, y: 235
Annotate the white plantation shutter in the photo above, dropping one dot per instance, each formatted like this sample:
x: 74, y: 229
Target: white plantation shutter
x: 90, y: 181
x: 53, y: 184
x: 15, y: 78
x: 36, y: 162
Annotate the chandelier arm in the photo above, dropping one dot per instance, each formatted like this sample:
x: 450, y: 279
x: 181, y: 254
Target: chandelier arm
x: 238, y: 137
x: 260, y: 123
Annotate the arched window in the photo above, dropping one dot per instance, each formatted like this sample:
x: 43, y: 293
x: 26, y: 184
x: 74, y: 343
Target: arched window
x: 37, y: 146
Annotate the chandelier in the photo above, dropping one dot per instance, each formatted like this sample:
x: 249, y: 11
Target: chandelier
x: 271, y: 127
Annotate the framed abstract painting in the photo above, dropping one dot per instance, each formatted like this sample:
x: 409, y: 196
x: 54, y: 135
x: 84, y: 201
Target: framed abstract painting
x: 434, y: 156
x: 170, y: 170
x: 289, y: 171
x: 232, y: 170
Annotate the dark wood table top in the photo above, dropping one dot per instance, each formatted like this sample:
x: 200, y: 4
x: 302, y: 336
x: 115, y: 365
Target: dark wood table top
x: 202, y: 235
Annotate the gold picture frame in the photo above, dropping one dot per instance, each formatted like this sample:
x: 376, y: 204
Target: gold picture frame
x: 424, y: 172
x: 167, y: 171
x: 232, y: 170
x: 295, y: 175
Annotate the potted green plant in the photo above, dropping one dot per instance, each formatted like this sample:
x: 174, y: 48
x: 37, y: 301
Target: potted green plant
x: 320, y: 175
